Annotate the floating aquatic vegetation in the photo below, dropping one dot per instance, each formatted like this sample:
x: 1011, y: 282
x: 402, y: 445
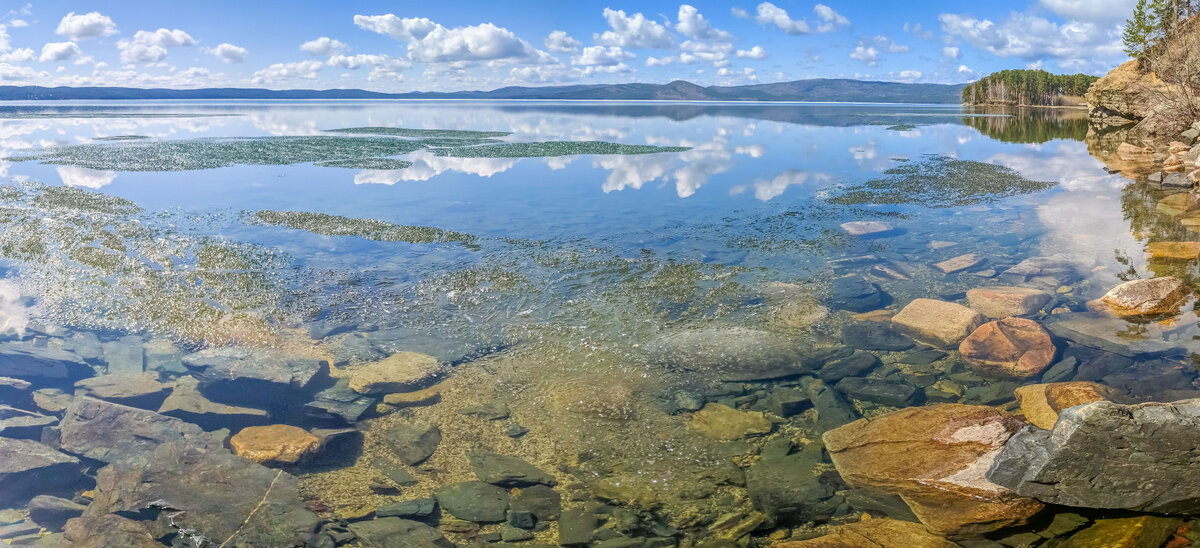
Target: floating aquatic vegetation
x: 121, y: 138
x: 941, y: 181
x: 552, y: 148
x: 326, y: 151
x: 368, y: 163
x: 371, y: 229
x: 65, y: 197
x: 421, y: 133
x: 96, y: 261
x: 902, y: 127
x: 193, y: 154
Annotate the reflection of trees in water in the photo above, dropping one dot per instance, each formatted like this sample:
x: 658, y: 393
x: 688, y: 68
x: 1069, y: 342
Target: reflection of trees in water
x: 1030, y: 125
x: 1148, y: 224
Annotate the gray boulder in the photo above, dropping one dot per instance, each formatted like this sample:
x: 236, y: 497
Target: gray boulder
x: 392, y: 532
x: 474, y: 501
x: 506, y: 470
x: 18, y: 423
x: 207, y: 491
x: 412, y: 443
x: 53, y: 512
x: 1108, y: 455
x: 732, y: 353
x: 110, y: 432
x: 26, y: 360
x: 244, y: 376
x: 28, y: 467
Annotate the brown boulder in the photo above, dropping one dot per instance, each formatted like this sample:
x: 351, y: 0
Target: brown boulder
x: 959, y: 263
x: 1151, y: 297
x: 1001, y: 301
x: 726, y: 423
x: 937, y: 322
x: 935, y: 458
x: 1012, y: 347
x: 1041, y: 403
x: 874, y: 533
x: 400, y: 372
x: 277, y: 443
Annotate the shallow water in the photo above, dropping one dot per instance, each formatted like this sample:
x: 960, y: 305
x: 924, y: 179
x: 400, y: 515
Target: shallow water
x: 555, y: 284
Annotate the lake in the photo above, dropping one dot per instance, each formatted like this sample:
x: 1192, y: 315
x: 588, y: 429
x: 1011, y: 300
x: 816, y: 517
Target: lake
x: 547, y: 314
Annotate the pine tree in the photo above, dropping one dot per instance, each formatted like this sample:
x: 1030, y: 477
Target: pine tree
x: 1139, y: 29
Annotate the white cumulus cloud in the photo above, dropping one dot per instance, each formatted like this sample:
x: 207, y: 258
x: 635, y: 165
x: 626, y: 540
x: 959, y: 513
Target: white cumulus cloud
x: 950, y: 51
x: 280, y: 72
x: 324, y: 47
x: 59, y: 51
x: 601, y: 56
x: 633, y: 31
x: 1032, y: 38
x: 87, y: 25
x: 151, y: 46
x: 828, y: 20
x: 693, y: 25
x: 229, y: 53
x: 560, y: 42
x: 429, y: 42
x: 756, y: 52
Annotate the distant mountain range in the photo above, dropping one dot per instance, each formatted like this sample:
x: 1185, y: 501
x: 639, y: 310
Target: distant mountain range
x: 822, y: 89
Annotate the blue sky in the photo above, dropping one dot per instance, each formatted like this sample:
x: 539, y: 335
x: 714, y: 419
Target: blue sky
x: 472, y: 44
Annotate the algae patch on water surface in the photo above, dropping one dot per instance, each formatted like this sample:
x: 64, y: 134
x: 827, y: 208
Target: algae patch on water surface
x: 368, y: 163
x: 360, y: 152
x: 421, y: 133
x: 121, y: 138
x: 193, y: 154
x: 545, y: 149
x: 371, y: 229
x: 941, y: 181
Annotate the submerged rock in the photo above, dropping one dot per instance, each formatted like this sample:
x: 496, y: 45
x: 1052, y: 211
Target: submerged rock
x: 785, y: 487
x: 209, y: 492
x: 141, y: 390
x: 856, y: 294
x: 1151, y: 297
x: 53, y: 512
x: 1012, y: 347
x: 411, y: 443
x: 934, y: 457
x: 1108, y: 455
x: 939, y: 323
x: 1135, y: 532
x: 18, y: 423
x: 731, y: 353
x: 866, y: 228
x: 110, y: 432
x: 274, y: 444
x: 1041, y: 403
x: 474, y: 501
x: 725, y: 423
x: 832, y: 408
x: 875, y: 336
x: 187, y: 403
x: 339, y: 402
x: 998, y: 302
x: 400, y: 372
x: 506, y: 470
x: 390, y: 532
x: 855, y: 365
x: 960, y: 263
x: 243, y: 376
x: 874, y: 533
x: 1058, y: 269
x: 25, y: 360
x: 896, y: 394
x: 28, y: 467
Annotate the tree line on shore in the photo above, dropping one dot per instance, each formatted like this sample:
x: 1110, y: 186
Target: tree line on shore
x: 1026, y: 87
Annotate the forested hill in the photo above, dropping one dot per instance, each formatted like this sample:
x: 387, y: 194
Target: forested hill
x: 1028, y: 87
x: 840, y: 90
